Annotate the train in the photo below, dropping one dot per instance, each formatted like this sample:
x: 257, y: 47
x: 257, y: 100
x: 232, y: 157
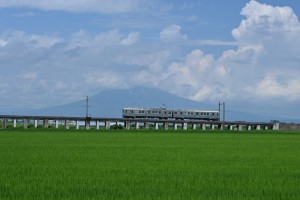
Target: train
x: 163, y: 113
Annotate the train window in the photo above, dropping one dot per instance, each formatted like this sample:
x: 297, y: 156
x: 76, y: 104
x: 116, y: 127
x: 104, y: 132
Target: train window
x: 181, y: 113
x: 170, y: 113
x: 197, y: 113
x: 165, y: 112
x: 131, y: 111
x: 175, y: 113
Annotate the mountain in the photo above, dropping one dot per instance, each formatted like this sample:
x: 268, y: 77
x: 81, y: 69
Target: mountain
x: 109, y: 103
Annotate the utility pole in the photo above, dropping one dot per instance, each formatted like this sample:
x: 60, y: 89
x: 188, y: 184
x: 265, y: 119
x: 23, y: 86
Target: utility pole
x: 219, y: 111
x: 223, y: 120
x: 224, y: 112
x: 87, y: 107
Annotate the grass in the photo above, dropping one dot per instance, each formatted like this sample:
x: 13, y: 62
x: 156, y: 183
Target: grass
x: 78, y: 164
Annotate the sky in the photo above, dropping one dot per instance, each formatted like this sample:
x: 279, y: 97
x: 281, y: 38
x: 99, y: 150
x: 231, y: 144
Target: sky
x: 245, y: 53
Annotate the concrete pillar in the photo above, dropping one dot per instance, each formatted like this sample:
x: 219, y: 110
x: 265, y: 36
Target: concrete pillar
x: 231, y: 127
x: 97, y: 125
x: 77, y: 125
x: 266, y: 127
x: 87, y: 124
x: 35, y: 123
x: 249, y: 128
x: 107, y: 125
x: 67, y: 124
x: 25, y: 121
x: 175, y: 126
x: 258, y: 127
x: 222, y: 127
x: 147, y: 125
x: 166, y: 125
x: 127, y: 125
x: 204, y: 127
x: 185, y: 126
x: 276, y: 126
x: 213, y: 127
x: 15, y: 123
x: 56, y: 123
x: 137, y: 125
x: 194, y: 126
x: 46, y: 123
x: 4, y: 123
x: 156, y: 126
x: 240, y: 127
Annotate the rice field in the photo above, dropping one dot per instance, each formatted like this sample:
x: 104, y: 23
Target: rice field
x: 119, y: 164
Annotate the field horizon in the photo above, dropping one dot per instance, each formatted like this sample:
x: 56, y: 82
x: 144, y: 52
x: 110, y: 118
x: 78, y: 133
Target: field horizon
x: 141, y: 164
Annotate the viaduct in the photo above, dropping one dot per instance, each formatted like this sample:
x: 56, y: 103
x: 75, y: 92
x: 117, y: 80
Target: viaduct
x: 106, y: 123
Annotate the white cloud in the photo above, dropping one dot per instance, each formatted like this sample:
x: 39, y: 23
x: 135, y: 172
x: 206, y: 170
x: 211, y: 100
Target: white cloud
x: 214, y: 43
x: 29, y: 75
x: 2, y: 42
x: 89, y: 62
x: 100, y: 6
x: 34, y: 41
x: 271, y: 86
x: 264, y: 22
x: 132, y: 38
x: 107, y: 79
x: 172, y: 33
x: 185, y: 78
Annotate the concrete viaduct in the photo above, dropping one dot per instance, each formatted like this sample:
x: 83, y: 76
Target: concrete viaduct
x: 91, y: 122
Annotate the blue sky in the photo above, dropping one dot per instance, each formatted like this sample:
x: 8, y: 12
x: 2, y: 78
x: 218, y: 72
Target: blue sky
x: 245, y: 53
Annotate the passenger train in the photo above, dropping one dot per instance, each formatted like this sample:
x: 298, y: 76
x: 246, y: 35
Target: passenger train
x: 162, y: 113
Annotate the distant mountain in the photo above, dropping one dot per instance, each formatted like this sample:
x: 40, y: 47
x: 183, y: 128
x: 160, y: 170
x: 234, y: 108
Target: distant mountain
x: 109, y: 103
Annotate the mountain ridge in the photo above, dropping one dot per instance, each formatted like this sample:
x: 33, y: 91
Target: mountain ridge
x: 109, y: 103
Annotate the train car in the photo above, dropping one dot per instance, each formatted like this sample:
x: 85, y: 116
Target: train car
x: 196, y: 114
x: 162, y: 113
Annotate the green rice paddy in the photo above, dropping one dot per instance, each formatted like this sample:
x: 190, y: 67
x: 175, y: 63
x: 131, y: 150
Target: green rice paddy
x: 119, y: 164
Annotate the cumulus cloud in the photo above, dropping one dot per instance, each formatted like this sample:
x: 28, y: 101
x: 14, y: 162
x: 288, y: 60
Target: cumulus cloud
x: 272, y: 86
x: 264, y: 22
x: 172, y: 33
x: 131, y: 39
x: 186, y: 77
x: 36, y: 64
x: 100, y: 6
x: 266, y: 41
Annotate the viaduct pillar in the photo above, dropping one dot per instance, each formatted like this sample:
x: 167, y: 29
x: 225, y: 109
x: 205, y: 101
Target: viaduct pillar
x: 46, y: 123
x: 147, y: 125
x: 4, y: 123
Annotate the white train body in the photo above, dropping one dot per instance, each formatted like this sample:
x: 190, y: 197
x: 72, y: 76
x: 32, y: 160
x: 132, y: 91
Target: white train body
x: 162, y: 113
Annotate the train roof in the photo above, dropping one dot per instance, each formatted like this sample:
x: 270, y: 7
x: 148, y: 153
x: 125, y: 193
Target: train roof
x: 178, y: 110
x: 145, y: 108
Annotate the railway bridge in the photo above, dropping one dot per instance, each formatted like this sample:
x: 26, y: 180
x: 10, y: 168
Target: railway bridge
x: 11, y: 121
